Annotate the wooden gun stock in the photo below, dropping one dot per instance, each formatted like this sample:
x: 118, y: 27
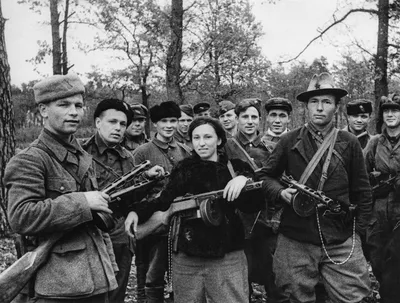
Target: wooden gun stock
x: 15, y: 277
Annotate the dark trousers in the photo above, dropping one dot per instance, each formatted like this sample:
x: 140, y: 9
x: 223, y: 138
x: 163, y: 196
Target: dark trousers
x: 123, y: 257
x: 259, y: 250
x: 152, y: 259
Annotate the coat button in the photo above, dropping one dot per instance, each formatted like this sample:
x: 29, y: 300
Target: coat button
x: 62, y: 188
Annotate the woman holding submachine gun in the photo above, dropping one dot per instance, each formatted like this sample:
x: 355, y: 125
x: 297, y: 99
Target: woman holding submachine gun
x: 208, y: 262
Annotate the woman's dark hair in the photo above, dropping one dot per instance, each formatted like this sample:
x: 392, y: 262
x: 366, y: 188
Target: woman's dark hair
x: 219, y: 130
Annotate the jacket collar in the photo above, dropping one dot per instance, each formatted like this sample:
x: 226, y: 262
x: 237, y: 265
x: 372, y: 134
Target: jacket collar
x: 244, y: 141
x: 164, y: 145
x: 58, y: 146
x: 102, y: 146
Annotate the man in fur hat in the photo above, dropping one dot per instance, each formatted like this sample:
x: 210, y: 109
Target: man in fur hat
x: 165, y: 151
x: 322, y: 240
x: 358, y: 117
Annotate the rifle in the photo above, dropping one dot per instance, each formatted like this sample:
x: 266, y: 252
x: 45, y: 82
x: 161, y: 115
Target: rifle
x: 205, y: 206
x: 307, y: 199
x: 15, y: 277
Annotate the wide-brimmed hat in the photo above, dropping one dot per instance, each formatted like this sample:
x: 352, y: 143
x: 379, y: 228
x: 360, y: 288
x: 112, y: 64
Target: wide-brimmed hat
x: 321, y: 84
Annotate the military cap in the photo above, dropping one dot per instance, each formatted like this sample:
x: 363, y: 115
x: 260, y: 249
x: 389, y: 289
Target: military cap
x: 57, y: 87
x: 359, y: 106
x: 116, y: 104
x: 278, y: 103
x: 201, y: 107
x: 187, y: 109
x: 390, y: 102
x: 167, y: 109
x: 321, y: 84
x: 139, y: 110
x: 244, y: 104
x: 225, y: 106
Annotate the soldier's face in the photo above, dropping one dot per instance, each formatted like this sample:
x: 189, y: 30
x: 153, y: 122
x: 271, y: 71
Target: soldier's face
x: 166, y: 128
x: 278, y: 120
x: 249, y: 121
x: 358, y: 123
x: 111, y: 125
x: 184, y: 123
x: 136, y: 128
x: 321, y: 109
x: 391, y: 117
x: 228, y: 119
x: 63, y: 117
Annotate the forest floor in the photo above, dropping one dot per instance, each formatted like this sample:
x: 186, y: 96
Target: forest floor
x: 8, y: 256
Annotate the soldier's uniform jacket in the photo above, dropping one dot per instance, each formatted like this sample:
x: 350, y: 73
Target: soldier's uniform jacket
x: 259, y: 154
x: 346, y: 181
x: 131, y: 143
x: 160, y: 153
x: 116, y: 161
x: 382, y: 154
x: 44, y: 198
x: 185, y: 140
x: 363, y: 138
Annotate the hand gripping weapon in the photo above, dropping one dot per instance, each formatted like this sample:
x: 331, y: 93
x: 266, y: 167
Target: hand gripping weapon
x: 307, y: 199
x: 15, y: 277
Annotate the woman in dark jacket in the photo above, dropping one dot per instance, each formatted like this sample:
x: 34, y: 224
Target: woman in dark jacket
x: 209, y: 264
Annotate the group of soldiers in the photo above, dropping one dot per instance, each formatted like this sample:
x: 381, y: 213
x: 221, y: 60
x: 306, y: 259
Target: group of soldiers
x: 55, y: 185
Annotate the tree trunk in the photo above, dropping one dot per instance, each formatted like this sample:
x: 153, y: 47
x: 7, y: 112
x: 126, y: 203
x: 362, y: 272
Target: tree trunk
x: 64, y: 40
x: 55, y: 35
x: 174, y: 56
x: 381, y: 81
x: 7, y: 131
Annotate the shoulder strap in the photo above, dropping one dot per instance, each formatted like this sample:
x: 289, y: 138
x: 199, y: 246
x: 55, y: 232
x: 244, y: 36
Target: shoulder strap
x: 231, y: 170
x: 317, y: 156
x: 253, y: 164
x: 324, y: 174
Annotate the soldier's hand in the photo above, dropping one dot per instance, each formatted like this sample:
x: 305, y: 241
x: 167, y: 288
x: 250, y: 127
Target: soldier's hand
x: 98, y: 201
x: 131, y: 223
x: 287, y: 194
x: 234, y: 187
x: 155, y: 171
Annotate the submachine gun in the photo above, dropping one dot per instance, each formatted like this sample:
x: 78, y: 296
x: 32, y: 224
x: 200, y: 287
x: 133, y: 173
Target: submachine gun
x: 205, y: 206
x: 15, y: 277
x: 306, y: 200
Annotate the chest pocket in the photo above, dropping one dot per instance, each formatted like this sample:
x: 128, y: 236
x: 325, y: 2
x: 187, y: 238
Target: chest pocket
x: 59, y: 186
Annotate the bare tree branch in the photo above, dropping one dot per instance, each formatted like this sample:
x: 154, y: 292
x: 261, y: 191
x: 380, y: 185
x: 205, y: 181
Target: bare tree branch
x: 336, y: 21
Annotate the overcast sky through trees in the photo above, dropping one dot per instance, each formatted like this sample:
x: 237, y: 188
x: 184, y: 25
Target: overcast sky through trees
x: 288, y: 25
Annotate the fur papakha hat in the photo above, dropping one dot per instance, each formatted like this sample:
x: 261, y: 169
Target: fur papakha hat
x: 168, y: 109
